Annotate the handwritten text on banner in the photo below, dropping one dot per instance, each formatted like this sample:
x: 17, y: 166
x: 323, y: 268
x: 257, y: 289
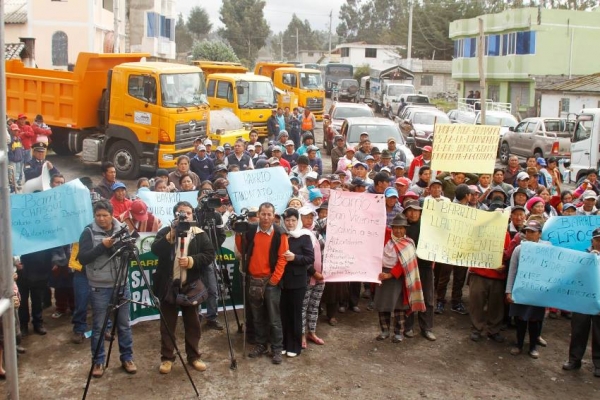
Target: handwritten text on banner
x: 572, y: 232
x: 50, y: 218
x: 161, y: 203
x: 459, y: 235
x: 251, y: 188
x: 465, y: 148
x: 556, y: 277
x: 355, y: 234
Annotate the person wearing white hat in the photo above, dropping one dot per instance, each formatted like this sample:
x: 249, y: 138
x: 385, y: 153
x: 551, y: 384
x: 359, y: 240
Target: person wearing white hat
x: 589, y: 198
x: 289, y: 153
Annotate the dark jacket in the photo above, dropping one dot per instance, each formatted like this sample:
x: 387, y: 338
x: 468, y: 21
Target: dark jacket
x: 37, y: 267
x: 295, y: 275
x: 33, y: 169
x: 413, y: 231
x: 200, y: 250
x: 104, y: 189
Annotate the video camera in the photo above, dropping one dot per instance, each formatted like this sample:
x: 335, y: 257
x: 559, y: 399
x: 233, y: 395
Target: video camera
x: 239, y: 222
x: 123, y: 238
x: 213, y: 199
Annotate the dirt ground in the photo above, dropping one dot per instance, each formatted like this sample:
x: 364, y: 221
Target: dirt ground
x: 351, y: 364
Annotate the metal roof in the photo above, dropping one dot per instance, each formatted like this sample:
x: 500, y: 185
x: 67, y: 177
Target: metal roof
x: 12, y: 51
x: 15, y: 11
x: 587, y: 83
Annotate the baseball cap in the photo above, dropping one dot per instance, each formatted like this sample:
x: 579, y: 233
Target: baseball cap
x: 139, y: 210
x: 358, y: 182
x: 221, y: 149
x: 427, y: 149
x: 335, y: 178
x: 22, y: 116
x: 361, y: 164
x: 414, y: 204
x: 220, y: 167
x: 516, y: 208
x: 312, y: 147
x: 350, y: 148
x: 276, y: 148
x: 522, y: 176
x: 201, y: 147
x: 14, y: 127
x: 390, y: 192
x: 289, y: 143
x: 39, y: 146
x: 369, y: 157
x: 208, y: 142
x: 257, y: 144
x: 250, y: 147
x: 385, y: 169
x: 273, y: 161
x: 162, y: 172
x: 435, y: 182
x: 400, y: 165
x: 312, y: 175
x: 541, y: 161
x: 402, y: 181
x: 532, y: 225
x: 226, y: 146
x: 305, y: 210
x: 390, y: 140
x: 314, y: 194
x: 589, y: 194
x: 474, y: 189
x: 569, y: 205
x: 324, y: 180
x: 118, y: 185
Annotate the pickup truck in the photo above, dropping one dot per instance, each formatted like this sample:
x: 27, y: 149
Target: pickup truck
x: 542, y: 137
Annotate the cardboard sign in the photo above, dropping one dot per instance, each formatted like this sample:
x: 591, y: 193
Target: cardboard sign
x: 253, y: 187
x: 571, y: 232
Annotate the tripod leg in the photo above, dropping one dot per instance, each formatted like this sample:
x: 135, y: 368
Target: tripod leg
x: 233, y: 364
x: 227, y: 284
x: 245, y: 321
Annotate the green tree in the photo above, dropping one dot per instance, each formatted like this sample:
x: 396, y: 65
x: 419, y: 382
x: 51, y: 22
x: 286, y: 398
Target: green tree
x: 362, y: 70
x: 214, y: 50
x: 198, y: 22
x: 307, y: 39
x: 245, y: 27
x: 183, y: 38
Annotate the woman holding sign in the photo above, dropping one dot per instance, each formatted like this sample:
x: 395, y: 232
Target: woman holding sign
x: 527, y: 317
x: 400, y: 288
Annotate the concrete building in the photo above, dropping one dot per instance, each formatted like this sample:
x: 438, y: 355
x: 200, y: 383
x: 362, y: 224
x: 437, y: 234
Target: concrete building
x: 376, y: 56
x: 64, y: 28
x: 431, y: 76
x: 570, y: 97
x: 524, y: 47
x: 312, y: 56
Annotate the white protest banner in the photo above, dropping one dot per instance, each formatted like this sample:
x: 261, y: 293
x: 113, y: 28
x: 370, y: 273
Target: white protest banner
x: 253, y: 187
x: 460, y: 235
x: 355, y: 234
x: 465, y: 148
x: 161, y: 203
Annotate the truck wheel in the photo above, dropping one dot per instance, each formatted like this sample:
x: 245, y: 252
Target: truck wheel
x: 504, y: 153
x: 125, y: 158
x: 60, y: 144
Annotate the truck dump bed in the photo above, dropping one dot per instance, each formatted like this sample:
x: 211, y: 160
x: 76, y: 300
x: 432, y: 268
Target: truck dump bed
x: 65, y: 99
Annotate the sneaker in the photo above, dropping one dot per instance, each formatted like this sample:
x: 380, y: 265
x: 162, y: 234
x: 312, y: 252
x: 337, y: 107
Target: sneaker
x: 356, y: 309
x: 291, y: 354
x: 496, y: 337
x: 98, y: 371
x: 459, y: 308
x: 198, y: 365
x: 383, y: 335
x: 534, y: 354
x: 397, y: 338
x: 429, y: 336
x: 258, y: 351
x: 214, y: 324
x: 77, y: 338
x: 129, y: 367
x: 439, y: 308
x: 342, y: 309
x: 277, y: 359
x: 571, y: 365
x: 409, y: 333
x: 542, y: 342
x: 57, y: 314
x: 165, y: 367
x: 40, y: 330
x: 21, y: 349
x: 475, y: 336
x: 515, y: 351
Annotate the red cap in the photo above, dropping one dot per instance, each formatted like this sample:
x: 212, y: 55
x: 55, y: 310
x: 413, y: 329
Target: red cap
x: 139, y: 210
x: 14, y: 127
x: 22, y: 116
x: 402, y: 181
x: 427, y: 149
x: 350, y: 148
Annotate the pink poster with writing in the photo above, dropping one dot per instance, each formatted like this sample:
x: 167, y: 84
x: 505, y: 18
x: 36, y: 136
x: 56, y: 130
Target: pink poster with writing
x: 355, y: 234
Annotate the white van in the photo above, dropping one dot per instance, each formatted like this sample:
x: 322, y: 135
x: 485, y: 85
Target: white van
x: 585, y: 150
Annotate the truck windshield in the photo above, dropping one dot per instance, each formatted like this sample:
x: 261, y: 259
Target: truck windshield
x: 257, y: 95
x: 310, y: 80
x: 399, y: 90
x: 183, y: 90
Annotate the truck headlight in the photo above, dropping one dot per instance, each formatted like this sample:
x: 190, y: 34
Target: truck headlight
x: 167, y: 157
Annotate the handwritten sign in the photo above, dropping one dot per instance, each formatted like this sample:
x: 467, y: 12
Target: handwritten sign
x: 465, y: 148
x: 251, y: 188
x: 161, y: 204
x: 556, y: 277
x: 574, y: 232
x: 459, y: 235
x: 355, y: 234
x: 50, y: 218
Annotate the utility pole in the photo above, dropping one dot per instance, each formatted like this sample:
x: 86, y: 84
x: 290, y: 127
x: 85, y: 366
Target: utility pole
x: 330, y: 22
x: 297, y: 47
x: 281, y: 47
x: 480, y: 54
x: 410, y: 18
x: 116, y: 26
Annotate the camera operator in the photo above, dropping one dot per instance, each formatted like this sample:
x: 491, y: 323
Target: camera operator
x: 208, y: 274
x: 95, y: 248
x: 267, y: 245
x: 184, y: 253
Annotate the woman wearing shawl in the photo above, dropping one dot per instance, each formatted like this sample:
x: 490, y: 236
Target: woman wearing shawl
x: 400, y: 288
x: 300, y: 258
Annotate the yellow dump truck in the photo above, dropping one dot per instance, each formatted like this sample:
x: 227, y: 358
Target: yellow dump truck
x: 250, y: 97
x: 305, y: 83
x: 139, y: 115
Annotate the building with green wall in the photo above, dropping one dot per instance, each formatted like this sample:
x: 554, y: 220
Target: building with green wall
x: 525, y: 48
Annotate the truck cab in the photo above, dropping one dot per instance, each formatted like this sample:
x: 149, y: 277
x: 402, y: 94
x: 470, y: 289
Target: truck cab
x: 585, y: 145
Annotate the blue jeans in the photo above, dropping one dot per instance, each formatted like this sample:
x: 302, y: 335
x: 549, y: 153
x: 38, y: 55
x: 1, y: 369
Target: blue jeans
x: 210, y: 281
x: 100, y: 299
x: 81, y: 289
x: 267, y: 319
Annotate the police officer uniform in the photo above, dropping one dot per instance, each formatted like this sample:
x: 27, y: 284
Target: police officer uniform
x: 33, y: 168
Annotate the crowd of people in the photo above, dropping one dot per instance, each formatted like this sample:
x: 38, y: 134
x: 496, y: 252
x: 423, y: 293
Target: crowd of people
x: 285, y: 287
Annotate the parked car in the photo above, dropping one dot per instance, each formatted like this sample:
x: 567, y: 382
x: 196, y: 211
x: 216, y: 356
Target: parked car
x: 503, y: 119
x: 379, y: 130
x: 422, y: 122
x: 412, y: 99
x: 338, y: 112
x: 543, y: 137
x: 348, y: 90
x: 458, y: 116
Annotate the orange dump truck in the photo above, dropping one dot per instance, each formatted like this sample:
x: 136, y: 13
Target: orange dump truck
x: 114, y: 107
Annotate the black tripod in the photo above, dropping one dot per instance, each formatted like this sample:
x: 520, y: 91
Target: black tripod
x: 207, y: 218
x: 126, y: 253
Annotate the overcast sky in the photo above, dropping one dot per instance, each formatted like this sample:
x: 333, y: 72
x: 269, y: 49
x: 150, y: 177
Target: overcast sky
x: 278, y: 13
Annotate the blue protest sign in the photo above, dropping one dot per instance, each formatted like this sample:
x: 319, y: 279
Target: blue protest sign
x: 574, y: 232
x: 252, y: 187
x: 161, y: 203
x: 50, y: 218
x: 556, y: 277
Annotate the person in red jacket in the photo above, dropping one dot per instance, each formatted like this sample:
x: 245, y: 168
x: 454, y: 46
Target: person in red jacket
x: 40, y: 129
x: 27, y: 136
x: 418, y: 162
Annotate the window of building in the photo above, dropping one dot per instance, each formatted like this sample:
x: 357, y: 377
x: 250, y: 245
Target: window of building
x: 210, y: 88
x: 345, y: 51
x: 493, y: 92
x: 426, y: 80
x: 142, y: 87
x: 459, y: 46
x: 370, y: 53
x: 564, y: 104
x: 311, y: 54
x: 108, y: 5
x: 224, y: 91
x: 492, y: 45
x: 152, y: 24
x: 519, y: 94
x: 525, y: 42
x: 60, y: 49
